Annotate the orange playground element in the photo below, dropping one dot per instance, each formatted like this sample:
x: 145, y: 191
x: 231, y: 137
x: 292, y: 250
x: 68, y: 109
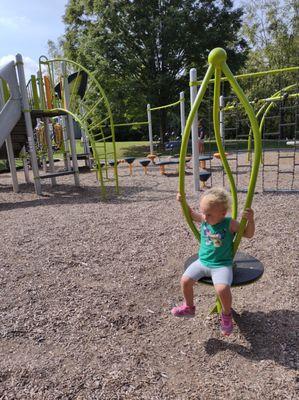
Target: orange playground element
x: 49, y: 96
x: 217, y: 155
x: 58, y: 135
x: 152, y: 157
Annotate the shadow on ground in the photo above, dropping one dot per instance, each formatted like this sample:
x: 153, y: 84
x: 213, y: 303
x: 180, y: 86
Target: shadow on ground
x: 68, y: 194
x: 271, y: 336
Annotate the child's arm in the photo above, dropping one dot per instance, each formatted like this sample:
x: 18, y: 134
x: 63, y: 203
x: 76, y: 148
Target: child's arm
x: 250, y: 227
x: 195, y: 216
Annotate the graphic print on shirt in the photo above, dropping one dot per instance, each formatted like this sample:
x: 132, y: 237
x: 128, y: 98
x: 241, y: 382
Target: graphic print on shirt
x: 215, y: 239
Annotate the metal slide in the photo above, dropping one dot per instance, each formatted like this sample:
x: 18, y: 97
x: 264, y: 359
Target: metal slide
x: 11, y: 110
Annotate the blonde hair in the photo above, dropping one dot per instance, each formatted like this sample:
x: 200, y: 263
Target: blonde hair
x: 218, y: 196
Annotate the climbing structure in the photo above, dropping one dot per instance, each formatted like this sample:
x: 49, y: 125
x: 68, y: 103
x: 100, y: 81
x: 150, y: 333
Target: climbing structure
x: 68, y: 91
x: 277, y: 112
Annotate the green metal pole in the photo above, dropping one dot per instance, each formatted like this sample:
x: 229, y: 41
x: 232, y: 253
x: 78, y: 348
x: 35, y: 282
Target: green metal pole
x: 34, y: 92
x: 216, y: 110
x: 257, y: 148
x: 184, y: 147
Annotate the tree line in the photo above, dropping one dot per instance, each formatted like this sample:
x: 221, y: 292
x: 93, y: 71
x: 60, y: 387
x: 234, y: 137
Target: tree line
x: 141, y: 51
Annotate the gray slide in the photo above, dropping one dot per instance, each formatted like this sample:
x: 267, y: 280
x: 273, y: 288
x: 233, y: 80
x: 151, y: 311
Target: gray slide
x: 11, y: 111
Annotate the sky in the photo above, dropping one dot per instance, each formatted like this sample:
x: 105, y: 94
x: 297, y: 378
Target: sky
x: 25, y: 28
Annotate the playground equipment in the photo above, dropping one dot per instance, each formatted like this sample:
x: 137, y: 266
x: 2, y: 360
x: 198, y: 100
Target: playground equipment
x: 278, y: 117
x: 180, y: 102
x: 203, y: 177
x: 144, y: 162
x: 130, y: 161
x: 66, y: 90
x: 162, y: 164
x: 217, y: 65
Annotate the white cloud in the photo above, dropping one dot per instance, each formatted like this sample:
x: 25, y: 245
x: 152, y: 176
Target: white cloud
x: 6, y: 59
x: 30, y: 66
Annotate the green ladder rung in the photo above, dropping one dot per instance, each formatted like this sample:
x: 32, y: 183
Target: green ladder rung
x: 103, y: 138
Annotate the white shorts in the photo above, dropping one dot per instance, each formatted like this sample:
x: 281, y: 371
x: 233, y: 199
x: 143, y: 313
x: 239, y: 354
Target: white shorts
x: 220, y: 275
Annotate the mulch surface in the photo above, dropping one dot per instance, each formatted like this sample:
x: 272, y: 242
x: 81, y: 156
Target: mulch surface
x: 87, y: 285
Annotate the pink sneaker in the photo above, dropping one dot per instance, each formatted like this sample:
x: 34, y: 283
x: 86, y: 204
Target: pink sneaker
x: 226, y: 324
x: 183, y: 311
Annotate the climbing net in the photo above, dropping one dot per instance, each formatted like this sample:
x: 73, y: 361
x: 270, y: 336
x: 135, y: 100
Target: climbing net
x: 274, y: 96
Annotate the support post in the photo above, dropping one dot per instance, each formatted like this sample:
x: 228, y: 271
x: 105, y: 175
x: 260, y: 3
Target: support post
x: 182, y: 112
x: 41, y: 90
x: 194, y: 129
x: 86, y: 144
x: 70, y: 126
x: 49, y: 150
x: 150, y: 129
x: 66, y: 154
x: 25, y: 165
x: 34, y: 92
x: 28, y: 122
x: 12, y: 164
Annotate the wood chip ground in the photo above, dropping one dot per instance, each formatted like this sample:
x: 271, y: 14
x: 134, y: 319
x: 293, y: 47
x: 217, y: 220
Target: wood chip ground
x: 87, y: 285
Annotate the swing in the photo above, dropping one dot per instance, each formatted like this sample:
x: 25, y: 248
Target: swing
x: 246, y: 269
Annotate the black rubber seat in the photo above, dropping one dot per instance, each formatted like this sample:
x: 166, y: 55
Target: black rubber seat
x: 204, y: 175
x: 167, y: 162
x: 144, y: 162
x: 247, y: 269
x: 129, y: 160
x: 112, y: 162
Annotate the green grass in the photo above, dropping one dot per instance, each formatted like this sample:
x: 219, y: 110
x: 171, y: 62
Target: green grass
x: 129, y: 149
x: 123, y: 149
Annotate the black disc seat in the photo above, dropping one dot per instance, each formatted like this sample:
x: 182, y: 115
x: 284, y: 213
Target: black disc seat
x: 129, y: 160
x: 144, y: 162
x: 112, y: 162
x: 204, y: 175
x: 246, y: 270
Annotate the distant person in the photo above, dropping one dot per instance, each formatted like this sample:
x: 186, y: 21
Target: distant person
x: 215, y: 256
x: 201, y: 135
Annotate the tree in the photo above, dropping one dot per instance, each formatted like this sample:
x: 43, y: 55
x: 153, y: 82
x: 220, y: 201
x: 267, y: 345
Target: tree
x: 55, y: 50
x: 140, y: 49
x: 271, y: 28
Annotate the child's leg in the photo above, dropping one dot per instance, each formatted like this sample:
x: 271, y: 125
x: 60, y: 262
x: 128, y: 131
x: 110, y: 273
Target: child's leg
x: 224, y: 293
x: 222, y: 279
x: 187, y: 289
x: 193, y: 273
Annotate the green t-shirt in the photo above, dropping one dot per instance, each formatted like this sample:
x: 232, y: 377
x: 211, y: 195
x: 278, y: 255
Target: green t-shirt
x: 216, y: 244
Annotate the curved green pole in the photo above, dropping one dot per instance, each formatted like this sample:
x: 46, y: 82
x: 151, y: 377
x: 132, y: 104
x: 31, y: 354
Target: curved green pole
x: 184, y: 147
x: 44, y: 60
x: 92, y: 142
x: 268, y: 108
x: 271, y: 105
x: 257, y: 148
x: 216, y: 111
x: 218, y: 57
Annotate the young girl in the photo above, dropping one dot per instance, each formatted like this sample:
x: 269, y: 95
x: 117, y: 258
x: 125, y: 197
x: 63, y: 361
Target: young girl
x: 215, y: 253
